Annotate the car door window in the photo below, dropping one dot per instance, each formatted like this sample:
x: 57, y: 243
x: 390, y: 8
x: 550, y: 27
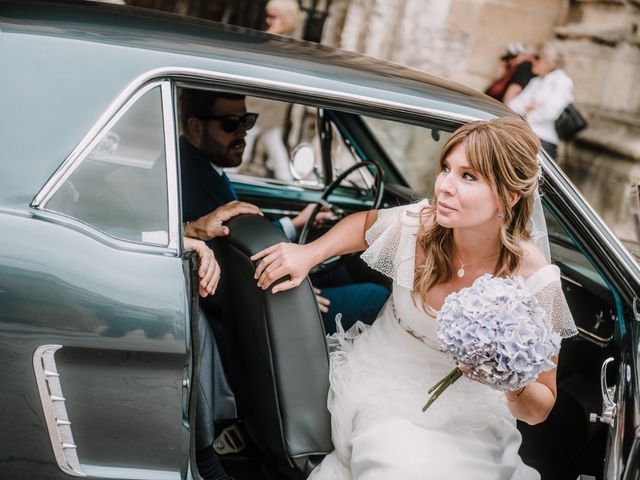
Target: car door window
x: 120, y: 186
x: 285, y: 133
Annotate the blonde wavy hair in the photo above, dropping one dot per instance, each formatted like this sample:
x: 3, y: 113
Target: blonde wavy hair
x: 504, y: 151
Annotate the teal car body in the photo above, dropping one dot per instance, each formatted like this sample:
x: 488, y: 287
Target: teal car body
x: 96, y: 322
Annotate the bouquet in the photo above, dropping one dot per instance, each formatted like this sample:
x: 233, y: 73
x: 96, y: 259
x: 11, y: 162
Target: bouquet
x: 498, y: 331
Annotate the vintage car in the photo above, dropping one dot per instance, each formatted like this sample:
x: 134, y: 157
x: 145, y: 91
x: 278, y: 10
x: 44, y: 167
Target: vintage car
x: 97, y: 298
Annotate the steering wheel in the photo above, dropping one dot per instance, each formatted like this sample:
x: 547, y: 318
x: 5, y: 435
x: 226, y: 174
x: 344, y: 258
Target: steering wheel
x: 378, y: 192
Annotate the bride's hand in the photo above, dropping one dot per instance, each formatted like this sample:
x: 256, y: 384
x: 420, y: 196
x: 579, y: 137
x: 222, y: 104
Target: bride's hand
x: 280, y: 260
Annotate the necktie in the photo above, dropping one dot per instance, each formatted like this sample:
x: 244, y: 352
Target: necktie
x: 232, y: 190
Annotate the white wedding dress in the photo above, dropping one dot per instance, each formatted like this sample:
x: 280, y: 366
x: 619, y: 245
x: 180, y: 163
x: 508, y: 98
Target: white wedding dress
x: 380, y: 376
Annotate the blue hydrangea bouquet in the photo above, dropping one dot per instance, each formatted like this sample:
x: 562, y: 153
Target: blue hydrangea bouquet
x: 499, y: 332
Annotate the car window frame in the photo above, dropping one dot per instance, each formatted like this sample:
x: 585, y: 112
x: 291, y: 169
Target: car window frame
x: 103, y: 125
x: 598, y: 234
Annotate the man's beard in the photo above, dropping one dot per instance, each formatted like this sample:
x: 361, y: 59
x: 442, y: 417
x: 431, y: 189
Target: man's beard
x: 226, y: 157
x: 233, y: 158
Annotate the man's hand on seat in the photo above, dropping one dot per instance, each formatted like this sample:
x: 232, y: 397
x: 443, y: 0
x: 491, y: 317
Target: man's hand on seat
x: 209, y: 271
x: 323, y: 303
x: 211, y: 225
x: 323, y: 215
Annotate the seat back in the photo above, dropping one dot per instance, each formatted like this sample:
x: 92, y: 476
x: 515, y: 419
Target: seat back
x: 277, y: 347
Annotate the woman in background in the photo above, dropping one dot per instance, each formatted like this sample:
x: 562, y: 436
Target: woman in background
x: 282, y: 16
x: 545, y: 97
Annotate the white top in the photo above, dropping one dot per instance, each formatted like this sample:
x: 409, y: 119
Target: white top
x: 553, y: 93
x: 392, y: 246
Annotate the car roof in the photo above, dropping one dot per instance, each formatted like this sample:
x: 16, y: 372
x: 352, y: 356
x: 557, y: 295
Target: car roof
x: 66, y: 62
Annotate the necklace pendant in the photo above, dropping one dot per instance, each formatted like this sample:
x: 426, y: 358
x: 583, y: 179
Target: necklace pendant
x: 461, y: 272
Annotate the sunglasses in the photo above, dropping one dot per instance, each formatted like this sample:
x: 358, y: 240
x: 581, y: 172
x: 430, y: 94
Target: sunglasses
x: 231, y: 123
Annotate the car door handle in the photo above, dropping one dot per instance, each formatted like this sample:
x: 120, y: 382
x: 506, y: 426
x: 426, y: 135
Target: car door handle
x: 608, y: 405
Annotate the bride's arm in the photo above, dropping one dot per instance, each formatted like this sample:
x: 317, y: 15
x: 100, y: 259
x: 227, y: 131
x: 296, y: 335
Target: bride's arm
x: 283, y: 259
x: 533, y: 404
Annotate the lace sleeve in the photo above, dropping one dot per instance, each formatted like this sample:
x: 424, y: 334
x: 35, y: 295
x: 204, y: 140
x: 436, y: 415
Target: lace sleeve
x: 547, y: 289
x: 392, y: 242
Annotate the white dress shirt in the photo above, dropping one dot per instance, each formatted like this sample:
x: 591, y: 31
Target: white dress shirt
x: 552, y: 93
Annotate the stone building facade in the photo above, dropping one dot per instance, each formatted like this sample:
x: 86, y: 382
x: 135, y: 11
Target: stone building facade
x: 603, y: 48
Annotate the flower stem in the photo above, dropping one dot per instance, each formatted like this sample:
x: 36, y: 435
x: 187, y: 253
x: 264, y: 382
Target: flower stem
x: 445, y: 379
x: 442, y: 385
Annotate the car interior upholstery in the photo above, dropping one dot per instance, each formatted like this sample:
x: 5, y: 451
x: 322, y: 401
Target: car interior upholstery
x: 277, y: 357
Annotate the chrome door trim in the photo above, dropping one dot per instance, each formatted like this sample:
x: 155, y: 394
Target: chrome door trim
x: 72, y: 223
x: 55, y: 411
x: 600, y: 341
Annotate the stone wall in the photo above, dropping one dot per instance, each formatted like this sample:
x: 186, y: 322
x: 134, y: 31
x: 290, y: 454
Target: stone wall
x: 458, y: 39
x: 603, y: 52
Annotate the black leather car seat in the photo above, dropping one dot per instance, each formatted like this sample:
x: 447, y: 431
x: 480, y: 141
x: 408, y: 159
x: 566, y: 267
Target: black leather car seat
x: 277, y: 355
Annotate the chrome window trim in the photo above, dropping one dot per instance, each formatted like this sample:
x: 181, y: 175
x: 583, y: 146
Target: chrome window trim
x: 115, y: 111
x: 55, y: 410
x: 171, y: 164
x: 79, y: 226
x: 233, y: 82
x: 106, y: 121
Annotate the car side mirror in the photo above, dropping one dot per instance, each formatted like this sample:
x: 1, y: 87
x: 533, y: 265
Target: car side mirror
x: 303, y: 162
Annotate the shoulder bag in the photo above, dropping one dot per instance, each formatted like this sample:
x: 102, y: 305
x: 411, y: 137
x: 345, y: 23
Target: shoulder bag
x: 569, y: 122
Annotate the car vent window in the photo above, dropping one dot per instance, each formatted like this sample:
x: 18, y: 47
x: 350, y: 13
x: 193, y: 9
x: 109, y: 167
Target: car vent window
x: 344, y: 156
x: 414, y: 150
x: 120, y: 187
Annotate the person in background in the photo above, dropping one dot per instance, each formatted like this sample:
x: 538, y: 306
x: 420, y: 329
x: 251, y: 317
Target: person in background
x: 514, y: 73
x: 282, y: 16
x: 545, y: 97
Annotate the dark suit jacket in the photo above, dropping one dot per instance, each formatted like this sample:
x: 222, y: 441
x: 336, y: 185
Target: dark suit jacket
x: 203, y: 189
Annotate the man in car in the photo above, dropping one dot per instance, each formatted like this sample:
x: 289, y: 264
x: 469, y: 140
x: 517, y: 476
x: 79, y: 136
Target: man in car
x: 214, y: 126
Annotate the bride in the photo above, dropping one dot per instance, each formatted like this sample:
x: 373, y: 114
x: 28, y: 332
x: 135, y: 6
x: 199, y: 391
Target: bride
x: 484, y: 197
